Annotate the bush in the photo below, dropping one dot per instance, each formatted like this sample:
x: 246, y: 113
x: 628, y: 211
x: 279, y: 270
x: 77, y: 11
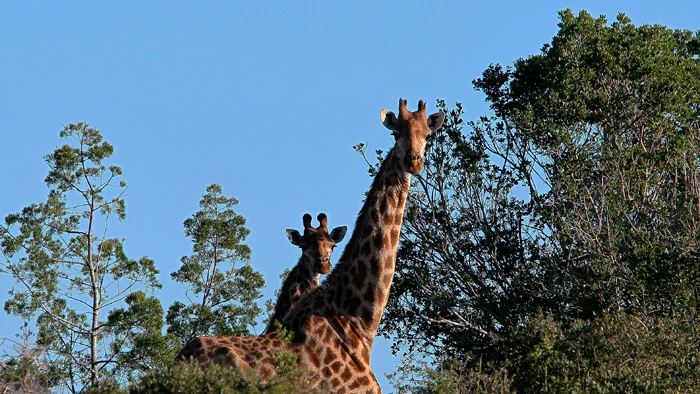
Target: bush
x: 617, y: 353
x: 450, y: 377
x: 188, y: 378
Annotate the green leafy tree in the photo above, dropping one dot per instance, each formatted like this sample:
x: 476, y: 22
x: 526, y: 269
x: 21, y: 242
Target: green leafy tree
x: 142, y: 347
x: 609, y: 115
x: 222, y: 287
x: 69, y: 272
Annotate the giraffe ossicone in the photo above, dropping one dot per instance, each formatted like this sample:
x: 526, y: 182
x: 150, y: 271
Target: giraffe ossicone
x: 335, y: 324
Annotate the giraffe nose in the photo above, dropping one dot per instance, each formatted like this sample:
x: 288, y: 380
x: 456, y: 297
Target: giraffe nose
x: 413, y: 158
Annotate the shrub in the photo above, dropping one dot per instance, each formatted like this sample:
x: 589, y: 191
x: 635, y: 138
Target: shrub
x: 617, y: 353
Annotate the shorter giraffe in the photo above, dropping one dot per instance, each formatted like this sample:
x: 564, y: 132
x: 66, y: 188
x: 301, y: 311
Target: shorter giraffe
x: 316, y: 245
x: 252, y: 354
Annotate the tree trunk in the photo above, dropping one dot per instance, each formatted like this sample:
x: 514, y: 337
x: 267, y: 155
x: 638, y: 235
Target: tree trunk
x: 94, y: 371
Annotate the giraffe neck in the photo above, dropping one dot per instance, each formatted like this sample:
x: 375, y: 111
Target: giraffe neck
x: 361, y: 281
x: 334, y: 325
x: 299, y: 282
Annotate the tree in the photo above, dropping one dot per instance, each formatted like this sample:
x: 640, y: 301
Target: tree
x: 576, y: 198
x: 609, y: 115
x: 466, y: 262
x: 225, y: 303
x: 69, y: 272
x: 142, y: 347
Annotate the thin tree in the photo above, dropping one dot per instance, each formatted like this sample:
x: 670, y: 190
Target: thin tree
x: 69, y: 272
x: 222, y: 287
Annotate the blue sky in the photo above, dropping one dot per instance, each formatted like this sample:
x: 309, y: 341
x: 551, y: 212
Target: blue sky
x: 264, y: 98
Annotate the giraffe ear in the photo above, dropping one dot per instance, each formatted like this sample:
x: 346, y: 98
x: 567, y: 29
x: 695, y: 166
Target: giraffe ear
x: 338, y: 233
x: 294, y: 237
x: 435, y: 121
x: 388, y: 119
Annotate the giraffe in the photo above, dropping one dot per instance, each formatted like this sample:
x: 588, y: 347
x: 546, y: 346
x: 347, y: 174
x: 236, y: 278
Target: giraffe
x: 316, y: 245
x: 335, y: 324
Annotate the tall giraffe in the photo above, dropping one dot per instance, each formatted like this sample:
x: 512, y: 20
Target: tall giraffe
x: 316, y: 245
x: 334, y: 326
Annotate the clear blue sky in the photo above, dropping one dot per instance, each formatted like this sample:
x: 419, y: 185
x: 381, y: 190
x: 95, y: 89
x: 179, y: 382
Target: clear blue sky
x: 264, y: 98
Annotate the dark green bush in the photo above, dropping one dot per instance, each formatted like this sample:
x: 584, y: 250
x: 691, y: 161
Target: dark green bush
x: 618, y: 353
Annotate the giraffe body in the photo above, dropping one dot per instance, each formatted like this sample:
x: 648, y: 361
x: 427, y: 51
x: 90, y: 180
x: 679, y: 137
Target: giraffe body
x: 335, y: 324
x: 248, y: 354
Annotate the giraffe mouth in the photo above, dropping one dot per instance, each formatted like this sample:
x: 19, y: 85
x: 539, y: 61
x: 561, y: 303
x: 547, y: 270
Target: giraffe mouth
x: 414, y: 164
x: 415, y: 167
x: 324, y: 267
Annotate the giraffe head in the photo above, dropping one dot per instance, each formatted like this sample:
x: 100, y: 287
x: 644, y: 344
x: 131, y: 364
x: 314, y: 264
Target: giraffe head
x: 411, y: 129
x: 316, y: 243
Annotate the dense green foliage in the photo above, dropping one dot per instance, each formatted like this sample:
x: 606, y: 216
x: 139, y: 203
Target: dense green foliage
x: 617, y: 353
x: 225, y: 297
x: 149, y: 349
